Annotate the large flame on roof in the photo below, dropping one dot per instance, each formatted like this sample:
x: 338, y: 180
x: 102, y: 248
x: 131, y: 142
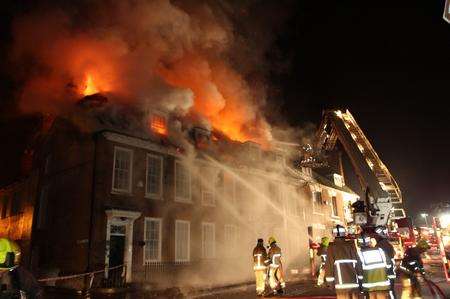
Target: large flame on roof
x: 153, y: 47
x: 90, y: 86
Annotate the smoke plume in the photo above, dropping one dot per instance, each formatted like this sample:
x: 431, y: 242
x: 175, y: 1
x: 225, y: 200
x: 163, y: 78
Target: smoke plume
x: 159, y: 53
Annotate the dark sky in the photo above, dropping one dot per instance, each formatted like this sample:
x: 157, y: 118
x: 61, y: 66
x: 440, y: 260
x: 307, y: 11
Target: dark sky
x: 388, y: 62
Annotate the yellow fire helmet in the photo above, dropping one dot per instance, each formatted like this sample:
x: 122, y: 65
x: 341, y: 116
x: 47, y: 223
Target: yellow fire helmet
x: 272, y: 240
x: 422, y: 244
x: 11, y: 247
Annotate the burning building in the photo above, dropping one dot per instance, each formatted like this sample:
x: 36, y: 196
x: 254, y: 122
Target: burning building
x: 167, y: 164
x: 177, y: 204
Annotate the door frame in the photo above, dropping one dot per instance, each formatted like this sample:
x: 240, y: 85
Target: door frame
x: 125, y: 218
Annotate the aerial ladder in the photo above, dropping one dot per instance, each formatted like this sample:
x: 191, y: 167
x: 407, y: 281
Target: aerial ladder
x: 383, y: 200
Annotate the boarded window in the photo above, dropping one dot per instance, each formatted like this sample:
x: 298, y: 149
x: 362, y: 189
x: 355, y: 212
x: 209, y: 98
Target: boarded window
x: 182, y: 241
x: 122, y: 170
x: 152, y: 248
x: 208, y: 240
x: 154, y: 176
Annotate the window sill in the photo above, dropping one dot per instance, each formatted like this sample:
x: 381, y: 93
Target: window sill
x: 188, y: 201
x: 154, y: 197
x: 119, y: 192
x: 208, y: 205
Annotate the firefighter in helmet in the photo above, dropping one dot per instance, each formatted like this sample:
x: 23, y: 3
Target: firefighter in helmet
x: 372, y: 269
x: 412, y: 268
x: 340, y: 266
x: 276, y: 277
x: 15, y: 281
x: 259, y: 267
x: 383, y: 243
x: 322, y: 253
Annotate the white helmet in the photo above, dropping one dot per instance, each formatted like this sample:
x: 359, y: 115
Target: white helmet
x: 339, y: 231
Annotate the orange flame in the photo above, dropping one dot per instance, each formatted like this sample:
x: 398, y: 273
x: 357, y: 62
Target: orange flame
x: 90, y: 86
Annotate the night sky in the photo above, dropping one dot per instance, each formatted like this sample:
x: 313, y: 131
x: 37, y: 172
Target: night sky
x: 388, y: 62
x: 390, y: 66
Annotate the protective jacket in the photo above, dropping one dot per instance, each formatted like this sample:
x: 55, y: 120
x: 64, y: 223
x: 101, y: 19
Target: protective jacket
x: 274, y: 256
x: 259, y: 257
x: 340, y: 266
x: 373, y: 269
x: 412, y: 261
x: 322, y: 252
x: 17, y: 282
x: 276, y: 275
x: 389, y: 252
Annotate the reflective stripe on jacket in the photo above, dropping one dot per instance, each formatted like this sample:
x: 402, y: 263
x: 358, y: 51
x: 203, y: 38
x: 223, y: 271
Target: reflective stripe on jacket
x: 259, y: 257
x: 340, y: 266
x: 389, y: 251
x: 274, y: 255
x: 374, y: 269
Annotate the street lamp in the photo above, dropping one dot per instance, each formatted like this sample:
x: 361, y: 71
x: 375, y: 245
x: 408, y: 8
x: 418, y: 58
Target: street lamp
x: 425, y: 215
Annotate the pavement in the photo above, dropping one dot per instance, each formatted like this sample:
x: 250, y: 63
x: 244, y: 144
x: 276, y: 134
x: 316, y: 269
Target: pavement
x: 308, y: 289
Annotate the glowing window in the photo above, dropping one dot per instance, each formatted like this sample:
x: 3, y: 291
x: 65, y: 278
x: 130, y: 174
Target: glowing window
x: 158, y: 124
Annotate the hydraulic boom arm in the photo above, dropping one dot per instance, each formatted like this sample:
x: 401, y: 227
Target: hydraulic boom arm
x: 372, y: 173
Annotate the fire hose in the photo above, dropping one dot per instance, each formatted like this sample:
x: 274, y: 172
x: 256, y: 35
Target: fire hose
x: 431, y: 284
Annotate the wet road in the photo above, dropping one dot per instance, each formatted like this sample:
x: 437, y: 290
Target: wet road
x: 303, y: 289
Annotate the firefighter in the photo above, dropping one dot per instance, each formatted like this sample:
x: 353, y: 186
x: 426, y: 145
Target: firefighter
x: 15, y: 281
x: 383, y: 243
x: 412, y: 268
x: 322, y: 253
x: 373, y: 269
x: 259, y: 267
x: 276, y: 277
x: 340, y: 266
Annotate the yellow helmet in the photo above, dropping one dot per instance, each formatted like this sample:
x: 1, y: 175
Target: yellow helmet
x: 272, y: 240
x: 8, y: 249
x: 423, y: 244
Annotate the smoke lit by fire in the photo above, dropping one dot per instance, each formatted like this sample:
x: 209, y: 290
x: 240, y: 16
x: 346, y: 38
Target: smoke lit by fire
x: 152, y: 49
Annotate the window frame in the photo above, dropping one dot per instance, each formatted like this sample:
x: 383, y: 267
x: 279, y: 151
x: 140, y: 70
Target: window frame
x: 161, y: 174
x: 204, y: 225
x: 231, y: 252
x: 314, y: 202
x: 159, y: 220
x: 154, y: 129
x: 208, y: 189
x: 334, y: 207
x: 188, y: 238
x: 130, y: 175
x: 176, y: 197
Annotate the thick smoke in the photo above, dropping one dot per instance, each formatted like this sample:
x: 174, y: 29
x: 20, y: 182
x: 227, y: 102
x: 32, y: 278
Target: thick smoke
x: 142, y: 52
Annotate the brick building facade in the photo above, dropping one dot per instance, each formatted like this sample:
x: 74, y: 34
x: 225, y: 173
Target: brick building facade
x: 177, y: 206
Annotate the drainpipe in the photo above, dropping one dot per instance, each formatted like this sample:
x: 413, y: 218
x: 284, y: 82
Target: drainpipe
x: 93, y: 189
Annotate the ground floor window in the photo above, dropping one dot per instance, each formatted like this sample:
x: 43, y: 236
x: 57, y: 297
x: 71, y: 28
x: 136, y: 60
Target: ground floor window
x: 182, y: 241
x: 152, y: 237
x: 231, y: 240
x: 208, y: 240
